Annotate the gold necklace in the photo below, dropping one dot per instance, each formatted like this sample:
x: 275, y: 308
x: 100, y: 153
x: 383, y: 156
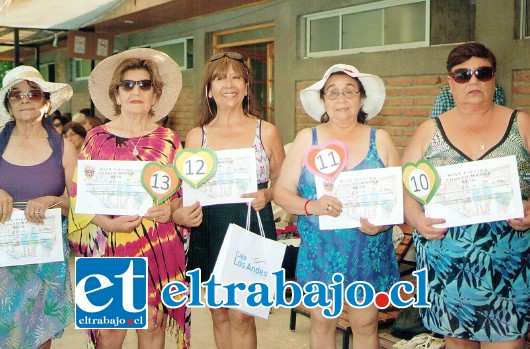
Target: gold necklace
x: 482, y: 145
x: 135, y: 150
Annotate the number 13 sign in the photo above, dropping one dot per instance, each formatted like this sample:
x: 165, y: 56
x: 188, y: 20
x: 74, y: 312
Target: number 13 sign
x: 421, y: 180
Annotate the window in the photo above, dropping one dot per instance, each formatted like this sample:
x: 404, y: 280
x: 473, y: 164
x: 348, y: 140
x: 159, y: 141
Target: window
x: 523, y: 12
x: 181, y: 50
x: 377, y: 26
x: 47, y: 71
x: 81, y: 68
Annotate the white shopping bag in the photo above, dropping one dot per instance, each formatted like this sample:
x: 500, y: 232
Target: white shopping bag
x: 249, y: 258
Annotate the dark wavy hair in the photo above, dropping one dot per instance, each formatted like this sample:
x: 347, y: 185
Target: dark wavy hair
x: 466, y: 51
x: 219, y: 68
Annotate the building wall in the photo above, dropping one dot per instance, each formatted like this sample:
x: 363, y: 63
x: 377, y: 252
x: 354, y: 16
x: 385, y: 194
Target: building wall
x: 413, y: 77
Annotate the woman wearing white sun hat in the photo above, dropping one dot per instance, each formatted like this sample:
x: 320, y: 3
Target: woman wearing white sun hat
x: 36, y: 166
x: 342, y: 101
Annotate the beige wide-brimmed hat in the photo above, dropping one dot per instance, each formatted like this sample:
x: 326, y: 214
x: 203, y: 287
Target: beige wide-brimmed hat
x: 373, y: 85
x: 59, y: 93
x: 100, y: 79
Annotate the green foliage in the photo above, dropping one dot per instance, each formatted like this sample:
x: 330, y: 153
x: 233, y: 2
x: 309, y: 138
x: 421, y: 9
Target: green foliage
x: 4, y: 68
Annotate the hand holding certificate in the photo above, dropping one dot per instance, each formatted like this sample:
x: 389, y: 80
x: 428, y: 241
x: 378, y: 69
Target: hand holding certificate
x: 477, y: 192
x: 235, y: 175
x: 375, y: 194
x: 22, y: 242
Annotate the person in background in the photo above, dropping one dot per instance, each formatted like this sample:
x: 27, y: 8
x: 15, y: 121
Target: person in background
x: 342, y: 101
x: 75, y: 133
x: 445, y: 101
x: 83, y: 120
x: 230, y: 121
x: 58, y: 123
x: 135, y: 89
x: 479, y: 275
x: 36, y: 168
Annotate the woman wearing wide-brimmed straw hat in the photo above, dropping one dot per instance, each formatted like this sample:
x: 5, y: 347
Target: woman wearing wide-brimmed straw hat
x: 36, y: 166
x: 342, y: 101
x: 135, y: 89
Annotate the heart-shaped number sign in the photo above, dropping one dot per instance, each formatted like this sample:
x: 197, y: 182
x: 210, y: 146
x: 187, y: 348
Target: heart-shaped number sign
x: 326, y: 161
x: 160, y: 181
x: 421, y: 180
x: 196, y: 166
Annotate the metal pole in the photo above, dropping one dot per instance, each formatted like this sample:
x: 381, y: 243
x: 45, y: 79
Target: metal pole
x: 17, y: 47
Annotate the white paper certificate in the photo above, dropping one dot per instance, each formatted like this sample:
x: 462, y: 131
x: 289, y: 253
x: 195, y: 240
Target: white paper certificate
x: 235, y: 175
x: 24, y: 243
x: 111, y: 188
x: 375, y: 194
x: 477, y: 192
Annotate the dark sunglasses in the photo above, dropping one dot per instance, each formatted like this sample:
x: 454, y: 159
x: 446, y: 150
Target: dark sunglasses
x: 232, y: 55
x: 144, y: 85
x: 463, y: 75
x: 32, y: 95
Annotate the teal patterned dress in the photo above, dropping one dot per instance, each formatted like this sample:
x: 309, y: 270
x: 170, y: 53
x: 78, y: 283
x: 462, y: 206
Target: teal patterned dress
x: 357, y: 256
x: 479, y: 275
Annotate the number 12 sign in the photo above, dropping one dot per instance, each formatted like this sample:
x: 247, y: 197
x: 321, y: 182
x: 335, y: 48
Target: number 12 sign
x: 196, y: 166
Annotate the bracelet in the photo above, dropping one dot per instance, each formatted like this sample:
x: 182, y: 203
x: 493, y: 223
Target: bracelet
x: 305, y: 208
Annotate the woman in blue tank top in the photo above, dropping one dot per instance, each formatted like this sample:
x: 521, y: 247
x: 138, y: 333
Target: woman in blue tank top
x: 342, y: 101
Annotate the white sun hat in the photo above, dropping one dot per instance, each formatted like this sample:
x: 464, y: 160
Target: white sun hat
x: 373, y: 85
x: 59, y: 93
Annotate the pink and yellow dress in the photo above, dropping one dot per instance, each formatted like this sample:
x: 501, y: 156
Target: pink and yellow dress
x: 164, y: 244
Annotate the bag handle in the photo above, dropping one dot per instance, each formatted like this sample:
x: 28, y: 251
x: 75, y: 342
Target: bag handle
x: 247, y: 226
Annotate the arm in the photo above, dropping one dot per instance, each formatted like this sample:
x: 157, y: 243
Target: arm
x: 414, y: 214
x: 276, y: 154
x: 286, y: 189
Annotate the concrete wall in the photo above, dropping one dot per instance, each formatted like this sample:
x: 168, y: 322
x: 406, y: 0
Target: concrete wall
x: 413, y: 77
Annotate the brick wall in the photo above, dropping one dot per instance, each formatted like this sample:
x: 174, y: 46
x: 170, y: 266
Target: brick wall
x: 521, y: 90
x: 181, y: 118
x: 409, y: 100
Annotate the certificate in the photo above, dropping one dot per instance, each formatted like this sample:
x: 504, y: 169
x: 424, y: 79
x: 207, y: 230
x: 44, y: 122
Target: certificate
x: 235, y: 175
x: 477, y: 192
x: 111, y: 188
x: 375, y: 194
x: 22, y: 242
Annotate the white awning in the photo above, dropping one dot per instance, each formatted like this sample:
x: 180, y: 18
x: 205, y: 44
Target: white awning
x: 53, y: 14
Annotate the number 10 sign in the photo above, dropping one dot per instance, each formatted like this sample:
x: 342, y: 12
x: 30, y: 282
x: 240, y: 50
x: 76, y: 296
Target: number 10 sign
x: 421, y: 180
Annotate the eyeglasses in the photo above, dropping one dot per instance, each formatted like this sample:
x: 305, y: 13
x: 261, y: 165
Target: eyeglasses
x: 31, y: 95
x: 463, y: 75
x: 232, y: 55
x: 128, y: 85
x: 332, y: 95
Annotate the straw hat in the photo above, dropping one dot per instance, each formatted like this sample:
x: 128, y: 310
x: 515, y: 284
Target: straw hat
x: 59, y: 93
x: 373, y: 85
x: 101, y: 76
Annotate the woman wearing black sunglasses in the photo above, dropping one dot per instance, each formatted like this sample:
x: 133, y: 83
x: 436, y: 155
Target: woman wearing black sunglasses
x: 36, y: 167
x: 230, y: 121
x: 135, y: 89
x: 479, y: 275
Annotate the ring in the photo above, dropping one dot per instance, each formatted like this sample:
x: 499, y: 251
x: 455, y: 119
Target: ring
x: 521, y: 227
x: 329, y: 207
x: 37, y: 212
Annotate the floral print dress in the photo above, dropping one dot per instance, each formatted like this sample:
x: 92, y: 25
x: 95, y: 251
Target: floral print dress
x: 355, y: 255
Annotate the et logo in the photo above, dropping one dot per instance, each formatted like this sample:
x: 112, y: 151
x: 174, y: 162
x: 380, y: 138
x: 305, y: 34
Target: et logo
x: 110, y: 292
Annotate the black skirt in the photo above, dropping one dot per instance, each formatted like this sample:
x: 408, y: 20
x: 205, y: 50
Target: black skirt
x: 206, y: 239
